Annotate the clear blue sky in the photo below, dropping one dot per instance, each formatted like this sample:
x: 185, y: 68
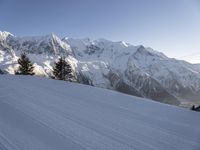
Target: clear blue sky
x: 170, y: 26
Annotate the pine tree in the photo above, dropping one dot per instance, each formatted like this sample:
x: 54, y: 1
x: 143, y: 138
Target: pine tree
x: 25, y: 65
x: 62, y: 70
x: 1, y: 72
x: 193, y: 107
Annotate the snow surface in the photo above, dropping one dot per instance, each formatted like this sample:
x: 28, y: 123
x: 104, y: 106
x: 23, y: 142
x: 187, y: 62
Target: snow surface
x: 43, y: 114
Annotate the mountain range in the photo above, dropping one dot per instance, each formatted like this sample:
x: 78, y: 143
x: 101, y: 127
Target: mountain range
x: 120, y: 66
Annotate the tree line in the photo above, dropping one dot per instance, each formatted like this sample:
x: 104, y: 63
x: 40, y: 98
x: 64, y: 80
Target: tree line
x: 62, y: 70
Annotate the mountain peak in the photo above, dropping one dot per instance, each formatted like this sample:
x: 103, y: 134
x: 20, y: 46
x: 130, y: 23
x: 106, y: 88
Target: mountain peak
x: 147, y: 51
x: 124, y: 43
x: 51, y: 36
x: 4, y: 35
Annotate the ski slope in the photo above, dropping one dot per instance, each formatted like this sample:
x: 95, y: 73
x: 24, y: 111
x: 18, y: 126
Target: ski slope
x: 43, y: 114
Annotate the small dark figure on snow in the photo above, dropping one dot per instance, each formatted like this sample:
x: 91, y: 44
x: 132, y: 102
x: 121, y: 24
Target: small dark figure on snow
x: 197, y: 108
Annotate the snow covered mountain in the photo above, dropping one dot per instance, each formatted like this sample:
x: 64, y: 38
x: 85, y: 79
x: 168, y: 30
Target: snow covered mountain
x: 136, y: 70
x: 42, y: 114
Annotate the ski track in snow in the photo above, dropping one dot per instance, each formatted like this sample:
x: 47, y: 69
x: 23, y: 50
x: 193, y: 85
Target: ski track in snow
x: 38, y: 113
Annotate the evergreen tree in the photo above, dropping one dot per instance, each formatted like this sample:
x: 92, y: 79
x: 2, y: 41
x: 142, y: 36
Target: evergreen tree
x: 1, y: 72
x: 62, y: 70
x: 193, y: 107
x: 25, y: 65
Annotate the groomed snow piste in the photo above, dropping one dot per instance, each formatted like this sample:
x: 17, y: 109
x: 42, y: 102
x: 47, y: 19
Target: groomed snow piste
x: 43, y: 114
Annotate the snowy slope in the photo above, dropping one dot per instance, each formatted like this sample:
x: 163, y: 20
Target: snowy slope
x: 135, y: 70
x: 39, y: 113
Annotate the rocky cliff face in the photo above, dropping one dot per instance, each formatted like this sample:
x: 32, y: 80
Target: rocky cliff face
x: 120, y: 66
